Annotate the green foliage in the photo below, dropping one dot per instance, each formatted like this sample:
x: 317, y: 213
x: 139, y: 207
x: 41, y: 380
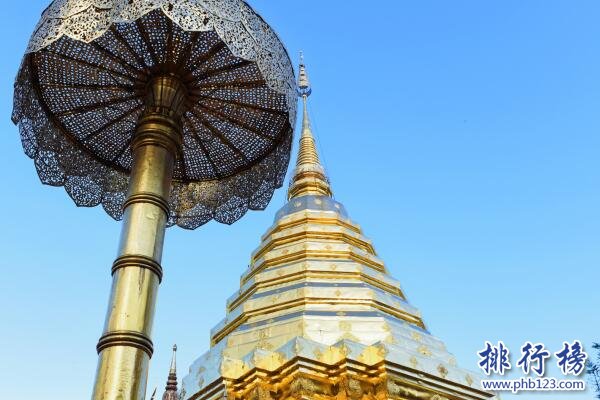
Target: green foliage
x: 593, y: 370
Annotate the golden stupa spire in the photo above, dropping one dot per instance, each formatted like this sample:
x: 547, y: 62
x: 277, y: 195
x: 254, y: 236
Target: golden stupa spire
x: 317, y: 315
x: 309, y: 176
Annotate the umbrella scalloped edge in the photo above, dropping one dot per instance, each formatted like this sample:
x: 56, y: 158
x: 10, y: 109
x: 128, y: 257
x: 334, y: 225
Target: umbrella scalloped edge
x: 89, y: 182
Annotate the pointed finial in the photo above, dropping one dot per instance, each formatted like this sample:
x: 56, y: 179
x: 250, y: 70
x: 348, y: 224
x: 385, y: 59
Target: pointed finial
x: 174, y: 360
x: 304, y: 89
x: 309, y: 176
x: 171, y: 388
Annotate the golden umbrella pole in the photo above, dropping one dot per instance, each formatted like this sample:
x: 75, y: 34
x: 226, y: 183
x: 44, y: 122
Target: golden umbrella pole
x: 102, y: 112
x: 125, y: 347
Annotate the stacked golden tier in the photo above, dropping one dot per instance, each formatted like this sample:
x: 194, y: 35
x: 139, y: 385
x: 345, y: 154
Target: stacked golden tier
x: 317, y: 315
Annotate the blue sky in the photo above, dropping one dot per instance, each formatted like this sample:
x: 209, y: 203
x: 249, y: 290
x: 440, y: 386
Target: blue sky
x: 463, y: 136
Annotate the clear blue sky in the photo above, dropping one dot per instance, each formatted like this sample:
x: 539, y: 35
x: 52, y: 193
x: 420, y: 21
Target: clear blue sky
x: 463, y: 136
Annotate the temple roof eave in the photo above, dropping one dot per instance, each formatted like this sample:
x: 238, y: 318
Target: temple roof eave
x: 418, y: 372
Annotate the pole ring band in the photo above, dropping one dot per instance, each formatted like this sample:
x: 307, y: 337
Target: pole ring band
x: 158, y: 130
x: 140, y: 262
x: 126, y: 338
x: 147, y: 197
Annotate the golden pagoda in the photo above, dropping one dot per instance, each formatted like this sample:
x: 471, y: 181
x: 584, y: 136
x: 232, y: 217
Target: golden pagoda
x: 317, y: 315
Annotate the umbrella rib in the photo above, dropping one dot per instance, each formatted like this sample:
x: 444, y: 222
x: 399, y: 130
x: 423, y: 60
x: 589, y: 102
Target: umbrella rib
x: 218, y: 134
x: 88, y: 64
x: 213, y: 51
x: 146, y: 40
x: 125, y: 43
x: 169, y: 48
x: 225, y: 68
x: 95, y: 106
x: 206, y: 153
x: 189, y: 47
x: 204, y: 57
x: 245, y: 105
x: 181, y: 157
x: 115, y: 58
x: 127, y: 88
x: 123, y: 149
x: 229, y: 85
x: 111, y: 123
x: 221, y: 116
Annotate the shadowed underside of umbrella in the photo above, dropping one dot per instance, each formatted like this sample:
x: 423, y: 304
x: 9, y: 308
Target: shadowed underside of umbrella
x: 77, y: 104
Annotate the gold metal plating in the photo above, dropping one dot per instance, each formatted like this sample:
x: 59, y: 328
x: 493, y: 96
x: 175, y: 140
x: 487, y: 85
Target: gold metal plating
x: 309, y: 176
x: 138, y: 261
x: 126, y: 338
x: 318, y: 317
x: 147, y: 198
x: 371, y: 379
x: 125, y: 347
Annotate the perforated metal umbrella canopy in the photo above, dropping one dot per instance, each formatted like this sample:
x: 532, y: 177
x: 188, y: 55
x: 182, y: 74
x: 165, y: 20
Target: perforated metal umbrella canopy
x: 81, y: 87
x: 165, y: 112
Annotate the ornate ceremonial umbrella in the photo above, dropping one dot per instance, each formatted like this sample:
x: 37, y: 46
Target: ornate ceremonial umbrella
x: 165, y: 112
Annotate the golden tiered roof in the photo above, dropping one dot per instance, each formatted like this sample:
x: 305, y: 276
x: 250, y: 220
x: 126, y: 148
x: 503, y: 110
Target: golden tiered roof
x: 317, y: 315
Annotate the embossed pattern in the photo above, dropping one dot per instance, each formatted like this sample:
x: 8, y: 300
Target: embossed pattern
x: 81, y: 86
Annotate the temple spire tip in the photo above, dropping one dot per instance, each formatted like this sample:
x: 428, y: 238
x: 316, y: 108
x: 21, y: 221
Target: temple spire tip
x: 309, y: 176
x: 173, y: 368
x: 171, y: 388
x: 304, y: 88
